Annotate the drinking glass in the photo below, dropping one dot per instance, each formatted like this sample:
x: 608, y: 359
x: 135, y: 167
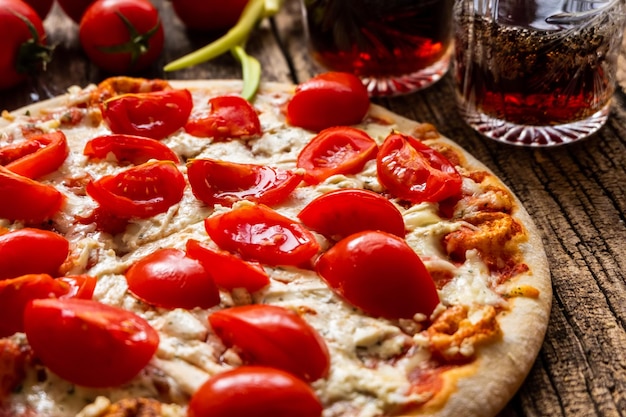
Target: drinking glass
x: 536, y: 72
x: 394, y: 46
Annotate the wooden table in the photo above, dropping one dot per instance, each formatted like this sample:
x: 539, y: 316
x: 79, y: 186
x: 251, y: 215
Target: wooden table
x: 576, y: 195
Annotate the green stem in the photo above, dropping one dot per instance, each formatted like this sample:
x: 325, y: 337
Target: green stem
x: 251, y: 69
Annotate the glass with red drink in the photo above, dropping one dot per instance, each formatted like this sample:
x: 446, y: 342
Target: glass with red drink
x: 394, y: 46
x: 536, y: 72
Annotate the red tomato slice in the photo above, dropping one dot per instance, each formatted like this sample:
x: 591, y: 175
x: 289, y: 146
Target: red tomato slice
x: 336, y: 150
x: 47, y: 158
x: 24, y: 199
x: 156, y: 114
x: 31, y: 251
x: 327, y: 100
x: 259, y: 233
x: 254, y: 391
x: 229, y: 271
x: 221, y: 182
x: 89, y: 343
x: 129, y: 148
x: 340, y: 213
x: 15, y: 294
x: 380, y: 274
x: 230, y: 117
x: 142, y: 191
x: 168, y: 278
x: 415, y: 172
x: 80, y: 286
x: 273, y: 336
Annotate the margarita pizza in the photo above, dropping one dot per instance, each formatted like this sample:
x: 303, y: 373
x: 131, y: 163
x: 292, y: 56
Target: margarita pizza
x: 168, y: 248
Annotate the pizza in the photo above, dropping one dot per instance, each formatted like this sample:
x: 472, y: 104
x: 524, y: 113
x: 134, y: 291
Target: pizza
x: 168, y: 248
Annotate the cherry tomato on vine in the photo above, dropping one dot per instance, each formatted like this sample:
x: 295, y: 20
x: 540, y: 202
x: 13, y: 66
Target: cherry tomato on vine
x: 89, y: 343
x: 47, y: 152
x: 209, y: 15
x: 379, y: 273
x: 254, y: 391
x: 229, y: 117
x: 32, y: 251
x: 121, y: 36
x: 75, y: 9
x: 327, y: 100
x: 42, y: 7
x: 129, y: 148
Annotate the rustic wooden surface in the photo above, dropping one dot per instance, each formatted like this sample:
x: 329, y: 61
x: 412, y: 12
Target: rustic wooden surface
x: 576, y: 195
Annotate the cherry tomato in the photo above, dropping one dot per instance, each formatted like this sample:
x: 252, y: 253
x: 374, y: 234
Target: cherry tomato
x: 31, y: 251
x: 121, y: 36
x: 273, y: 336
x: 80, y: 286
x: 89, y: 343
x: 327, y: 100
x: 129, y: 148
x: 168, y: 278
x: 229, y: 271
x: 75, y: 8
x: 379, y: 273
x: 340, y: 213
x: 220, y: 182
x: 15, y: 293
x: 50, y: 154
x: 142, y: 191
x: 24, y: 199
x: 230, y: 117
x: 259, y: 233
x: 254, y: 391
x: 42, y: 7
x: 23, y: 37
x: 155, y: 115
x: 415, y: 172
x: 336, y: 150
x: 209, y: 15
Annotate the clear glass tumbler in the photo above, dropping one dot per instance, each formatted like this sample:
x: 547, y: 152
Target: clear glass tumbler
x: 536, y: 72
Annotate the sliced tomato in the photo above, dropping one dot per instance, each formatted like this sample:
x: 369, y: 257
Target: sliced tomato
x: 15, y: 293
x: 327, y: 100
x: 379, y: 273
x: 89, y: 343
x: 261, y: 234
x: 156, y: 114
x: 254, y: 391
x: 415, y: 172
x: 221, y: 182
x: 142, y: 191
x: 168, y: 278
x: 336, y: 150
x: 47, y: 158
x: 343, y: 212
x: 24, y: 199
x: 80, y: 286
x: 129, y: 148
x: 229, y: 271
x: 31, y: 251
x: 273, y: 336
x: 230, y: 117
x: 14, y: 151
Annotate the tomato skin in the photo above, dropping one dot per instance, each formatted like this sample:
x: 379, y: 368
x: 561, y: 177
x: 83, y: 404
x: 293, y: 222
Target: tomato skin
x: 340, y: 213
x: 328, y: 99
x: 258, y: 233
x: 75, y: 8
x: 208, y: 15
x: 230, y: 117
x: 254, y: 391
x: 129, y: 148
x: 31, y: 251
x: 168, y: 278
x: 415, y: 172
x: 102, y: 26
x: 80, y: 286
x: 46, y: 159
x: 42, y: 7
x: 155, y: 114
x: 336, y: 150
x: 380, y: 274
x: 125, y: 195
x: 220, y: 182
x: 229, y: 271
x: 273, y: 336
x: 89, y: 343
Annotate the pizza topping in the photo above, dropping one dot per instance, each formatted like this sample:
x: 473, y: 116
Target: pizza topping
x: 220, y: 182
x: 273, y: 336
x: 80, y: 286
x: 254, y: 390
x: 229, y: 117
x: 36, y: 161
x: 115, y: 86
x: 18, y: 247
x: 380, y: 274
x: 336, y: 150
x: 12, y: 366
x: 415, y: 172
x: 128, y: 148
x: 87, y: 342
